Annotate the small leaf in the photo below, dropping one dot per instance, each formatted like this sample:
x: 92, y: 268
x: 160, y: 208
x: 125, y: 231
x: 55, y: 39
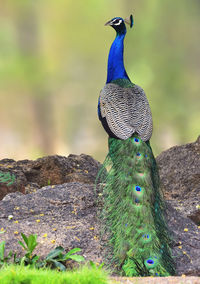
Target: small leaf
x: 22, y: 260
x: 32, y: 242
x: 35, y: 258
x: 92, y: 264
x: 25, y: 239
x: 32, y: 246
x: 2, y: 250
x: 55, y: 253
x: 74, y: 250
x: 77, y: 257
x: 21, y: 244
x: 16, y: 259
x: 58, y: 265
x: 60, y: 257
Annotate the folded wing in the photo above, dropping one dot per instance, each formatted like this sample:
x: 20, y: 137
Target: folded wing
x: 127, y: 111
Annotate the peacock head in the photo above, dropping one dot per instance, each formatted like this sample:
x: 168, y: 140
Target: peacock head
x: 118, y: 24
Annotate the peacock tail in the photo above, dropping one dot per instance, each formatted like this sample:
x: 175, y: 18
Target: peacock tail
x: 133, y: 209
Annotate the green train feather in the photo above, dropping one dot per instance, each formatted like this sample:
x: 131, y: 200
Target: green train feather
x: 133, y: 209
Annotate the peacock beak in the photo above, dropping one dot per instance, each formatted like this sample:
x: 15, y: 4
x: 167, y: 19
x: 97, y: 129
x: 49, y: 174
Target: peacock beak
x: 108, y: 23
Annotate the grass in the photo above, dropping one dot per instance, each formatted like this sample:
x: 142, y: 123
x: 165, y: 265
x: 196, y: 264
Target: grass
x: 16, y: 274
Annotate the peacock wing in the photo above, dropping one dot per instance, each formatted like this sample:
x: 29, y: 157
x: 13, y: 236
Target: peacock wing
x: 126, y: 111
x: 140, y: 113
x: 113, y: 106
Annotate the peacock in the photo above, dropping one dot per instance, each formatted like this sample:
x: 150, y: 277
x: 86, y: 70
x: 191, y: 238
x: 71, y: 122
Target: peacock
x: 133, y: 206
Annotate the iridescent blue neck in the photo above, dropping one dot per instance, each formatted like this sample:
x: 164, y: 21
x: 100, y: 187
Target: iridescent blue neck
x: 116, y: 68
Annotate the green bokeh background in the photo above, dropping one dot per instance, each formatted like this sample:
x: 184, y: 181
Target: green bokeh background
x: 53, y: 60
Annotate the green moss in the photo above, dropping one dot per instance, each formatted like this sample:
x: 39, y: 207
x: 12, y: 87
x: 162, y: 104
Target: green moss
x: 7, y: 178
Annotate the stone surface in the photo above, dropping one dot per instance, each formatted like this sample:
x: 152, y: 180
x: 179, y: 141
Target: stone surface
x: 58, y: 170
x: 27, y: 176
x: 186, y: 241
x: 179, y: 169
x: 153, y: 280
x: 66, y: 213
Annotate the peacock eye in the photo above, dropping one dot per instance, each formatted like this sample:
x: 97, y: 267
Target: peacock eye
x: 117, y: 22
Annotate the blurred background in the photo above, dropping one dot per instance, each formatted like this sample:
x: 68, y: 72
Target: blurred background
x: 53, y: 60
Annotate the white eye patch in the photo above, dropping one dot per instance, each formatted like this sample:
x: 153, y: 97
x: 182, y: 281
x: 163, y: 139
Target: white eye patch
x: 116, y: 22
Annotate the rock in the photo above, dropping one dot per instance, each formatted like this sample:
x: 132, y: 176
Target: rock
x: 186, y: 241
x: 53, y: 170
x: 12, y: 195
x: 60, y: 215
x: 27, y: 176
x: 63, y: 212
x: 179, y: 169
x: 12, y: 179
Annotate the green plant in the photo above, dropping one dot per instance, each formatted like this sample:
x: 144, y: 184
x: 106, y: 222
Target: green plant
x: 3, y: 258
x: 29, y: 245
x: 95, y: 266
x: 56, y: 257
x: 7, y: 177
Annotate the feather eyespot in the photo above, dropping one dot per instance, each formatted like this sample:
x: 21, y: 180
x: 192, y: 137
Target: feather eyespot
x: 136, y: 141
x: 139, y: 156
x: 151, y: 262
x: 138, y: 188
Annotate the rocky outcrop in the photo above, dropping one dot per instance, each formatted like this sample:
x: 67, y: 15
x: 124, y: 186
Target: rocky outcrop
x: 60, y: 204
x: 27, y: 176
x: 179, y: 169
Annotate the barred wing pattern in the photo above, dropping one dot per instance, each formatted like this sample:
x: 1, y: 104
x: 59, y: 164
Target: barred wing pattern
x: 127, y: 111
